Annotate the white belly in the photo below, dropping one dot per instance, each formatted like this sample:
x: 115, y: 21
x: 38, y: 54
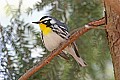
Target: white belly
x: 52, y: 41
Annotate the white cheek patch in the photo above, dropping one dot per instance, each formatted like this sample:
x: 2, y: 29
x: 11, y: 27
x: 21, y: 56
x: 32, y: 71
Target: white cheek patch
x: 52, y: 21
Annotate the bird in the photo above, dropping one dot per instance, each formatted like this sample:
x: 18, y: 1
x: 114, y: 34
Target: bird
x: 53, y: 33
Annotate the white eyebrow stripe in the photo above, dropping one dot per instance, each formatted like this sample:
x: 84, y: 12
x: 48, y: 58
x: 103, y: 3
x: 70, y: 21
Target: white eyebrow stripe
x: 46, y: 19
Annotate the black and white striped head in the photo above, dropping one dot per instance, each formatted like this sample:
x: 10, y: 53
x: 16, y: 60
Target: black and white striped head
x: 55, y: 25
x: 47, y: 20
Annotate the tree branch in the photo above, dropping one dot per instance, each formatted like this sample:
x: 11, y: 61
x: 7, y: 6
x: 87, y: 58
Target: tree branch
x: 57, y: 51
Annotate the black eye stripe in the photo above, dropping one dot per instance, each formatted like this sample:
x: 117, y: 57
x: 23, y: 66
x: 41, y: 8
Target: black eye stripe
x: 46, y: 21
x: 43, y: 21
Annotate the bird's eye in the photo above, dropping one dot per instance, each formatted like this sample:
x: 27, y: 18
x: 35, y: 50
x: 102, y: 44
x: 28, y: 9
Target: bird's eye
x: 45, y: 21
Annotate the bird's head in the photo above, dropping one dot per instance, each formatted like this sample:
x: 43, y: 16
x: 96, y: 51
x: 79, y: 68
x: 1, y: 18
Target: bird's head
x: 45, y: 24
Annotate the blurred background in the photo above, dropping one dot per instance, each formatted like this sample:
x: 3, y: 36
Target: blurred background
x: 21, y: 47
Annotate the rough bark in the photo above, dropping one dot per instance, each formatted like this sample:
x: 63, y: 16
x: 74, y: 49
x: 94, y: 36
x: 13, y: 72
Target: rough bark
x: 113, y: 31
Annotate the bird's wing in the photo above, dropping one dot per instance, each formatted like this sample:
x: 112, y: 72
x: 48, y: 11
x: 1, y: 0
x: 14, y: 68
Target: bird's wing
x: 61, y: 31
x: 60, y: 28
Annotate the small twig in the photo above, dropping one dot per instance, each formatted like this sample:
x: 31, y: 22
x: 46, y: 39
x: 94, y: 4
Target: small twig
x: 57, y: 51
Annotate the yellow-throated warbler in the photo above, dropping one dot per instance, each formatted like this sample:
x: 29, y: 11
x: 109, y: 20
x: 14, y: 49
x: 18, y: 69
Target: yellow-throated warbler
x: 54, y: 32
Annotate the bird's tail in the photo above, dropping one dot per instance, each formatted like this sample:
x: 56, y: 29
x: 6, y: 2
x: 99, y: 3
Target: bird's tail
x: 72, y: 50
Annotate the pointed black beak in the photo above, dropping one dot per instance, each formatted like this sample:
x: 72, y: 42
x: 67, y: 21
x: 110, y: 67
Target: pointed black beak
x: 36, y: 22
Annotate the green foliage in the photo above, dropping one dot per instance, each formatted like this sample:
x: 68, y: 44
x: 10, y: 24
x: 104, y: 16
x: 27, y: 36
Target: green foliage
x: 92, y: 46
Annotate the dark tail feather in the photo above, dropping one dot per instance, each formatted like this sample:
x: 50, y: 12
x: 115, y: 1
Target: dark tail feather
x: 72, y: 49
x: 63, y: 55
x: 76, y: 51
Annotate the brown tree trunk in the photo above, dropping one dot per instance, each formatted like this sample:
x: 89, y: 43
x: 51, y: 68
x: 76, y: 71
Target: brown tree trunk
x: 113, y: 31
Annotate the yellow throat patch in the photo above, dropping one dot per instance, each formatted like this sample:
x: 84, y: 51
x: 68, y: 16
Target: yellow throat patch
x: 44, y: 29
